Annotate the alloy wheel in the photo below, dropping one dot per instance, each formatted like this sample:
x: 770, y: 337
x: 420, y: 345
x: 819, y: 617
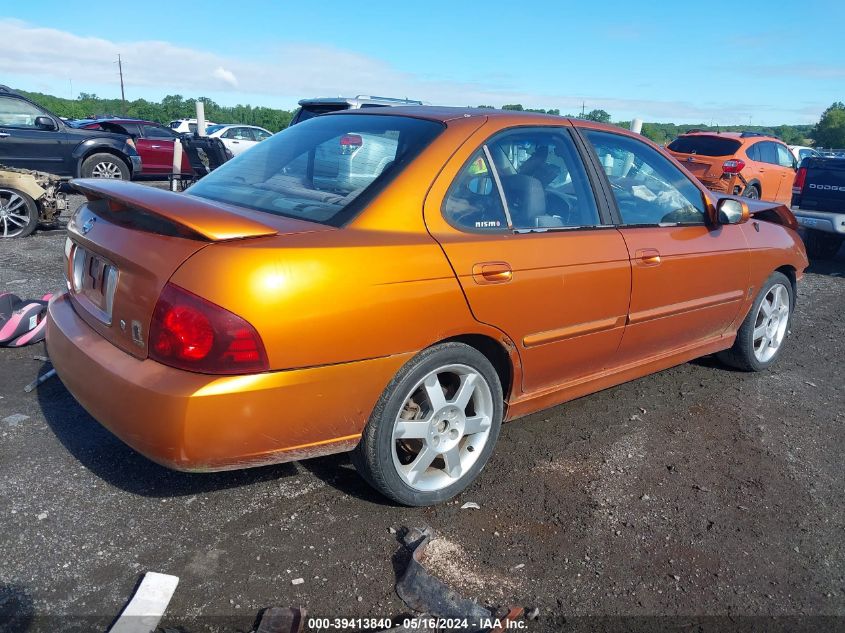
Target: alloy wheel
x: 771, y: 322
x: 106, y: 169
x: 14, y: 213
x: 442, y: 427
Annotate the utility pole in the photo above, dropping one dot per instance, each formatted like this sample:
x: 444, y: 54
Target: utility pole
x: 122, y: 94
x: 583, y: 104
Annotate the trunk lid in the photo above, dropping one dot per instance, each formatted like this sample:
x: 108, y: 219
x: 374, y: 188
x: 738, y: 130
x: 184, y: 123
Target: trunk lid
x: 126, y: 242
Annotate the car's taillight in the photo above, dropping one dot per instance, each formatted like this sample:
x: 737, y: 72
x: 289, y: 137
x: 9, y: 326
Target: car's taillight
x: 191, y: 333
x: 798, y: 183
x: 350, y: 142
x: 733, y: 166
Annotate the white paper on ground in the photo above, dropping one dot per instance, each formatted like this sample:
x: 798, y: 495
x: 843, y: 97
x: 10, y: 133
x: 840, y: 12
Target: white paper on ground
x: 144, y: 611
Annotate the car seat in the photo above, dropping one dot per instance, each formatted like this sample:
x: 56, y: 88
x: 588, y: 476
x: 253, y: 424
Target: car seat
x: 22, y: 321
x: 527, y: 202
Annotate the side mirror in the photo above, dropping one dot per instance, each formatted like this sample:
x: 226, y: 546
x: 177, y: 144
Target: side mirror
x: 732, y: 211
x: 45, y: 123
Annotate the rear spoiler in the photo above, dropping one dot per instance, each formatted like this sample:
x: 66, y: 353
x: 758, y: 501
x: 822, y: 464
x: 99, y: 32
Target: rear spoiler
x: 209, y: 220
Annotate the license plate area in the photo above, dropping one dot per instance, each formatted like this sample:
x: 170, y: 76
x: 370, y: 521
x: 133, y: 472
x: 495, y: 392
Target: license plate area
x: 93, y: 282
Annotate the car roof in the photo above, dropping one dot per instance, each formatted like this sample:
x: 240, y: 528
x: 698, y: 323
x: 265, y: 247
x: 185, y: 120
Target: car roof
x: 359, y: 99
x: 444, y: 114
x: 739, y: 136
x: 122, y: 120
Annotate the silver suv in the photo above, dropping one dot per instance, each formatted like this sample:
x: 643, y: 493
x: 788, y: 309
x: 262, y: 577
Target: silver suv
x: 309, y: 108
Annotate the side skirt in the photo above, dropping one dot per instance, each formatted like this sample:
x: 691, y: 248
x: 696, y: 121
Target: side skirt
x: 549, y: 397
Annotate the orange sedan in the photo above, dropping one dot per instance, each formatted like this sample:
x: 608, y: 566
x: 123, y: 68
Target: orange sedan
x: 398, y: 282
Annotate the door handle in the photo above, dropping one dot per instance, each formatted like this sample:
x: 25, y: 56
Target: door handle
x: 4, y: 134
x: 492, y: 272
x: 648, y: 257
x: 155, y: 146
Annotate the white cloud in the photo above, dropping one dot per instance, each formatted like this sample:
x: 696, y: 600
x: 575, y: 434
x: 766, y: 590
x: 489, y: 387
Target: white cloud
x: 289, y: 72
x: 226, y: 75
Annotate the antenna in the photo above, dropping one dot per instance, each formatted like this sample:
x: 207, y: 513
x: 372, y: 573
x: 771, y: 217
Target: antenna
x: 122, y: 94
x: 583, y: 104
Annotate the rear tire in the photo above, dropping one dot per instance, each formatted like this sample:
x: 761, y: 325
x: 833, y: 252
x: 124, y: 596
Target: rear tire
x: 752, y: 191
x: 434, y: 427
x: 821, y: 245
x: 105, y: 166
x: 761, y: 336
x: 18, y: 213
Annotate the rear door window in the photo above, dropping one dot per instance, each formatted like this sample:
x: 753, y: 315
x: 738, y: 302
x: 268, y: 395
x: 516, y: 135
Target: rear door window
x: 324, y: 169
x: 542, y: 179
x: 753, y: 152
x: 768, y: 152
x: 156, y: 131
x: 473, y: 202
x: 704, y: 145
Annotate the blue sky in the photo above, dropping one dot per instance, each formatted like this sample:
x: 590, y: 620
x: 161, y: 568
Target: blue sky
x: 761, y: 63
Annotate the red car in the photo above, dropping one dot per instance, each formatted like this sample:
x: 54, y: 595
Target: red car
x: 153, y: 141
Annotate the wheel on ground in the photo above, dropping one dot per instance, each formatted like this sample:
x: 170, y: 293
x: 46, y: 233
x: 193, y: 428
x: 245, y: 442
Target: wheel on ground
x: 752, y: 192
x: 104, y: 166
x: 434, y: 427
x: 821, y: 245
x: 18, y: 213
x: 760, y: 338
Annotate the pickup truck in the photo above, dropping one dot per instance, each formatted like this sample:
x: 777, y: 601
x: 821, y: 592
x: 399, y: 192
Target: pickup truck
x: 818, y: 202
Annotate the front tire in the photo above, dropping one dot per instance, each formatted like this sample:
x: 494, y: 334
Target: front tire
x: 434, y: 427
x: 760, y: 338
x: 18, y: 213
x: 821, y: 245
x: 106, y: 166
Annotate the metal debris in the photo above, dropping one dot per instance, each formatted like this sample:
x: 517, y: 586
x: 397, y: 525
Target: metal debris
x: 40, y: 380
x: 424, y: 593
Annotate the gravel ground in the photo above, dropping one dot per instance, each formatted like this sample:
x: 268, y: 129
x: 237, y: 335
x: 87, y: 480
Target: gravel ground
x: 698, y: 498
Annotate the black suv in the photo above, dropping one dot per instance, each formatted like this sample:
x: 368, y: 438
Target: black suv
x: 33, y: 138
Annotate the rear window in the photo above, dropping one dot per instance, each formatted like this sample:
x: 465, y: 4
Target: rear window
x: 705, y: 145
x: 324, y: 170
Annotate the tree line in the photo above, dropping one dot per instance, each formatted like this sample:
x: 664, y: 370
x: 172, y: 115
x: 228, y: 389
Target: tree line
x: 828, y: 132
x: 171, y: 107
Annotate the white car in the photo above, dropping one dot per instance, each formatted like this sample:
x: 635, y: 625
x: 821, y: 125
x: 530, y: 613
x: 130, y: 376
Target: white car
x: 238, y: 138
x: 801, y: 152
x: 187, y: 126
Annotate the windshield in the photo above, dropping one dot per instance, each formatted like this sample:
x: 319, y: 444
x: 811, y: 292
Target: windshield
x: 323, y: 170
x: 704, y: 145
x: 213, y: 128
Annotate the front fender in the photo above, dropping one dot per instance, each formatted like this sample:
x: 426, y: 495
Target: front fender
x: 90, y: 146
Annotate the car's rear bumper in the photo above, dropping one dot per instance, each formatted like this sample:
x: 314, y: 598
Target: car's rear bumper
x: 820, y: 220
x: 199, y: 422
